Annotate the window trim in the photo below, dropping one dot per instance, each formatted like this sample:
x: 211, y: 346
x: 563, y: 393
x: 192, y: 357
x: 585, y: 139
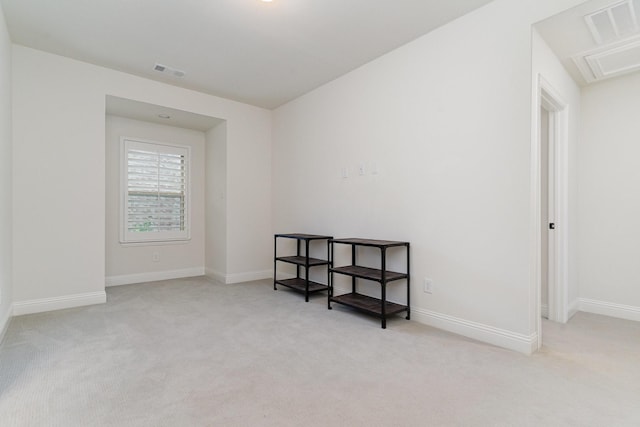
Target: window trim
x: 155, y: 237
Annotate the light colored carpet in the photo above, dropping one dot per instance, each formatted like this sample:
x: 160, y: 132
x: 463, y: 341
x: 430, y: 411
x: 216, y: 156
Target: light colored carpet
x: 191, y: 352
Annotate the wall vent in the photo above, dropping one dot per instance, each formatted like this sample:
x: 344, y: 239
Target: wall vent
x: 614, y: 22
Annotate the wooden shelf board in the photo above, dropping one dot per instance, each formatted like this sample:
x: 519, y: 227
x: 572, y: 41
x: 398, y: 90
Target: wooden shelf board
x: 368, y: 304
x: 300, y: 285
x: 368, y: 273
x: 301, y: 260
x: 370, y: 242
x: 303, y: 236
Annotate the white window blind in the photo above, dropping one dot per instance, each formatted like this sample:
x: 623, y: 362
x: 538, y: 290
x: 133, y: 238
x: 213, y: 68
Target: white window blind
x: 155, y: 191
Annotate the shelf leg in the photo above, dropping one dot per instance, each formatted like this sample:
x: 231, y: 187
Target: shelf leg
x: 383, y: 263
x: 353, y: 262
x: 329, y: 274
x: 275, y: 254
x: 306, y: 272
x: 408, y: 286
x: 298, y: 254
x: 383, y: 306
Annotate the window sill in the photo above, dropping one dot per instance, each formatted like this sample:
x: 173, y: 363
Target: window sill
x: 155, y: 243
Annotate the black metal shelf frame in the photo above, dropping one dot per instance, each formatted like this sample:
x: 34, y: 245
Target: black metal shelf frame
x: 300, y: 284
x: 378, y: 307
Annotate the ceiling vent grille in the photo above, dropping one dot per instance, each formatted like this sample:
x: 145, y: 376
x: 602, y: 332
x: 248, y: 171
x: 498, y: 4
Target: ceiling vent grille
x: 613, y: 22
x: 614, y: 62
x: 168, y: 70
x: 608, y: 61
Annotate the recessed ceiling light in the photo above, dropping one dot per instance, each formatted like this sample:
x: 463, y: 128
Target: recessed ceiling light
x: 267, y: 1
x: 164, y: 116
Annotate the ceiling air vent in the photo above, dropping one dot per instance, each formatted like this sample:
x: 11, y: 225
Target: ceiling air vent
x: 168, y: 70
x: 621, y: 60
x: 612, y: 60
x: 613, y: 22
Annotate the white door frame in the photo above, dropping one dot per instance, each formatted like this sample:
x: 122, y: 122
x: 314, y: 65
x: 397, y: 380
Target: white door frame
x: 551, y: 100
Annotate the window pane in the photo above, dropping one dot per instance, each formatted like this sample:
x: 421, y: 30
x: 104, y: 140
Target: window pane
x: 156, y: 189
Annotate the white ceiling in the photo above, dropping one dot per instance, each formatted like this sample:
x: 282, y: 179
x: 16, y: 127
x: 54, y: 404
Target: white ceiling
x: 263, y: 54
x: 568, y: 35
x: 157, y: 114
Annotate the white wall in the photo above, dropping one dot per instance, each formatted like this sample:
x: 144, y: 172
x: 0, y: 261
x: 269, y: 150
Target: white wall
x: 547, y: 65
x: 59, y: 206
x: 132, y: 263
x: 446, y: 119
x: 216, y: 212
x: 609, y: 236
x: 5, y: 176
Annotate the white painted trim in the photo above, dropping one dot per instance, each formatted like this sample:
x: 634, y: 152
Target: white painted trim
x: 544, y: 311
x: 526, y: 344
x: 58, y: 303
x: 545, y: 94
x: 4, y: 323
x: 129, y: 279
x: 477, y: 331
x: 248, y: 276
x: 535, y: 286
x: 610, y: 309
x: 558, y: 297
x: 229, y: 279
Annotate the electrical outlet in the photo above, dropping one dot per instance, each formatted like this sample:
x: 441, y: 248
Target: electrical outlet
x: 155, y: 257
x: 428, y: 286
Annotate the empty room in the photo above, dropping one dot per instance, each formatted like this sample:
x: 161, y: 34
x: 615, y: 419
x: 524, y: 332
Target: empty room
x: 304, y: 213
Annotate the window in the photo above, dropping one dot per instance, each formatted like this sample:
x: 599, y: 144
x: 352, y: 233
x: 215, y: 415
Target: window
x: 155, y: 191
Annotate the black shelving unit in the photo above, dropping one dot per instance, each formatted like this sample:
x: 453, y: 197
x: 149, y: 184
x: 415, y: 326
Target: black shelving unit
x: 378, y: 307
x: 300, y: 260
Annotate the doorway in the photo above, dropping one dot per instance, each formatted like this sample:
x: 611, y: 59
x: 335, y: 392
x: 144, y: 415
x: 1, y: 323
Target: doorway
x: 552, y: 227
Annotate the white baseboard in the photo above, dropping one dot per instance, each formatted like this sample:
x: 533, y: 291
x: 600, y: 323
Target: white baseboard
x: 610, y: 309
x: 526, y: 344
x: 229, y: 279
x: 248, y: 276
x: 4, y: 322
x: 573, y: 309
x: 215, y: 275
x: 58, y: 303
x: 129, y: 279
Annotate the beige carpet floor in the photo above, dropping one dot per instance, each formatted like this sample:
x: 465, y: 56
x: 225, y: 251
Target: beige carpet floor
x: 191, y: 352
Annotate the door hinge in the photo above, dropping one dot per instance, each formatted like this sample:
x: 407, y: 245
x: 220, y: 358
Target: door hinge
x: 552, y: 226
